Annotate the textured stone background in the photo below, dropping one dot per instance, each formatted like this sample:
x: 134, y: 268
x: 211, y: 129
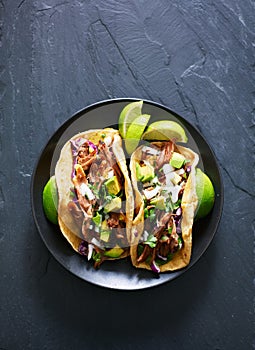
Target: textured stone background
x: 196, y: 57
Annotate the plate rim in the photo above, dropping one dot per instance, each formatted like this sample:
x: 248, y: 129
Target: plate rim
x: 64, y: 126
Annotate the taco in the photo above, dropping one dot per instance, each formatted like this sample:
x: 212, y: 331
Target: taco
x: 95, y: 207
x: 163, y: 178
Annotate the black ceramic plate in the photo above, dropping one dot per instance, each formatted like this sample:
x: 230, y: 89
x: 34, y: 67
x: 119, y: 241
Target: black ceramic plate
x: 119, y: 274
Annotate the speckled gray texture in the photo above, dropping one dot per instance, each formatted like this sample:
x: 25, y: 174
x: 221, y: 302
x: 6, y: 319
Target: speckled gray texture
x: 196, y: 57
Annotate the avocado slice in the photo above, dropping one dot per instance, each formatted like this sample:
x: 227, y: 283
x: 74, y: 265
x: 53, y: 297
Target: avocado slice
x: 105, y: 235
x: 112, y: 185
x: 105, y: 231
x: 114, y: 252
x: 176, y: 179
x: 144, y: 172
x: 177, y: 160
x: 104, y: 226
x: 114, y: 205
x: 97, y: 219
x: 159, y: 202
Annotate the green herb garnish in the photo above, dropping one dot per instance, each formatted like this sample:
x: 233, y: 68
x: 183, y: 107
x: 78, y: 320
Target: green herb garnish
x: 94, y: 189
x: 96, y: 256
x: 162, y: 262
x: 170, y: 229
x: 151, y: 241
x: 180, y: 242
x: 97, y: 219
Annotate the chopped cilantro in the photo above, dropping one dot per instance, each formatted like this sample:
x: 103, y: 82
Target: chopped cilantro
x: 164, y: 238
x: 169, y: 205
x: 146, y: 213
x: 151, y: 241
x: 149, y: 213
x: 152, y: 214
x: 96, y: 256
x: 94, y: 189
x: 180, y: 242
x: 170, y: 229
x: 177, y: 204
x: 97, y: 219
x: 109, y: 197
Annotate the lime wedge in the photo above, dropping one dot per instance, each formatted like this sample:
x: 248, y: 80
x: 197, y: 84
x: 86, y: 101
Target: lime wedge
x: 165, y: 130
x: 135, y: 131
x: 205, y: 194
x: 50, y: 200
x: 127, y: 116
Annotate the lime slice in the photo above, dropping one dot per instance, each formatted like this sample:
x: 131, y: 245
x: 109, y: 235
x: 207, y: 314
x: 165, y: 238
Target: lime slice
x: 50, y: 200
x: 205, y: 194
x: 135, y: 131
x: 127, y: 116
x: 165, y: 130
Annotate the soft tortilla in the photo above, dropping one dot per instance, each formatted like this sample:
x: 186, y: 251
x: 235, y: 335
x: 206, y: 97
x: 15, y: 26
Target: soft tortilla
x: 63, y: 170
x: 188, y: 205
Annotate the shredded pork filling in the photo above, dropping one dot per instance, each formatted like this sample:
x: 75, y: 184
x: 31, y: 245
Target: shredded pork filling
x: 95, y: 163
x: 162, y: 228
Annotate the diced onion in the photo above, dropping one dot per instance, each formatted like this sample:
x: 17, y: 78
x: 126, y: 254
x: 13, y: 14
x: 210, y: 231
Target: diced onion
x: 110, y: 174
x: 154, y: 180
x: 90, y: 227
x: 108, y: 140
x: 180, y: 171
x: 97, y: 243
x: 177, y: 178
x: 164, y: 258
x: 151, y: 193
x: 167, y: 168
x: 169, y: 178
x: 145, y: 236
x: 80, y: 141
x: 85, y: 190
x: 150, y: 150
x: 90, y: 251
x: 165, y: 190
x: 182, y: 183
x: 178, y: 211
x: 154, y: 267
x: 175, y: 192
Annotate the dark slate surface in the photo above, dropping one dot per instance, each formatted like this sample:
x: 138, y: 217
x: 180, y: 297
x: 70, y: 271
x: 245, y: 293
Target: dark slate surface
x: 195, y: 57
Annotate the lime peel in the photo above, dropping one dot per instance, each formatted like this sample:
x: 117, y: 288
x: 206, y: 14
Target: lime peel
x: 135, y: 131
x: 164, y: 130
x: 128, y: 115
x: 50, y: 200
x: 205, y: 194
